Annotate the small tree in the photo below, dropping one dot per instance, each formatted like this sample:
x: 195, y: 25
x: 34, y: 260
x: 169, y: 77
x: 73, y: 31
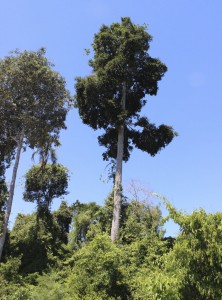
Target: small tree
x: 113, y: 96
x: 33, y: 100
x: 42, y: 185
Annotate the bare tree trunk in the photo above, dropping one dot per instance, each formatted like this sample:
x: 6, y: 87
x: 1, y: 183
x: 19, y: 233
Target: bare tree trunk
x: 118, y: 176
x: 11, y: 194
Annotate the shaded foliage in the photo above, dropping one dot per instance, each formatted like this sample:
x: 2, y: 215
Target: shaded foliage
x: 63, y: 217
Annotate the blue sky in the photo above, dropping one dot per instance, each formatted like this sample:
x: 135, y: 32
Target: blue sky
x: 187, y: 38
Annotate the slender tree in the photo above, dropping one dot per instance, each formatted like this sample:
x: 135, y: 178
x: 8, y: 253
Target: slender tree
x: 112, y: 97
x: 33, y: 102
x: 7, y: 150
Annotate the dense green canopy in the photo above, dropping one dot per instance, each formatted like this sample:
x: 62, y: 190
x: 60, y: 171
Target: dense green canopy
x: 121, y: 55
x: 43, y: 184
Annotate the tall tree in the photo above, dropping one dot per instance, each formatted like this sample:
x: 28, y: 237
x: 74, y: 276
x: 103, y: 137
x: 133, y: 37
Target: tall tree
x: 113, y: 96
x: 34, y: 102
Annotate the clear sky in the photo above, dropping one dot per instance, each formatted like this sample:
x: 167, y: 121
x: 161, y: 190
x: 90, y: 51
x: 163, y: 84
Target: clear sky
x: 187, y: 38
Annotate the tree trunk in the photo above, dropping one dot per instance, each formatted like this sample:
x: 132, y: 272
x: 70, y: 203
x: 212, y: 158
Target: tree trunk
x: 11, y: 194
x: 118, y: 175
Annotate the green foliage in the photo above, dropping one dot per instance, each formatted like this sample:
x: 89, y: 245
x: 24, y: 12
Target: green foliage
x: 96, y: 271
x: 50, y: 287
x: 149, y: 268
x: 33, y: 242
x: 156, y: 285
x: 43, y: 184
x: 142, y: 247
x: 63, y: 217
x: 140, y: 221
x: 33, y: 98
x: 84, y: 216
x: 197, y: 250
x: 142, y: 265
x: 12, y: 286
x: 121, y: 56
x: 9, y: 270
x: 39, y: 242
x: 44, y: 233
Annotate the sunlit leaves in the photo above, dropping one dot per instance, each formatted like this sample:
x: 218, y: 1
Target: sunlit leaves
x: 33, y: 97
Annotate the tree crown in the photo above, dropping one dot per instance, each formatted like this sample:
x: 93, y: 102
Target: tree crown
x: 121, y: 58
x: 33, y: 97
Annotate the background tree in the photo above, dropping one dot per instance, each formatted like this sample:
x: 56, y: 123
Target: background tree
x: 33, y: 99
x: 63, y: 217
x: 43, y: 184
x: 113, y: 96
x: 85, y: 215
x: 42, y: 234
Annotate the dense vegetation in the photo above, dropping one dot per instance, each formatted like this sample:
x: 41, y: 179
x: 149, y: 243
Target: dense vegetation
x: 43, y: 260
x: 117, y: 250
